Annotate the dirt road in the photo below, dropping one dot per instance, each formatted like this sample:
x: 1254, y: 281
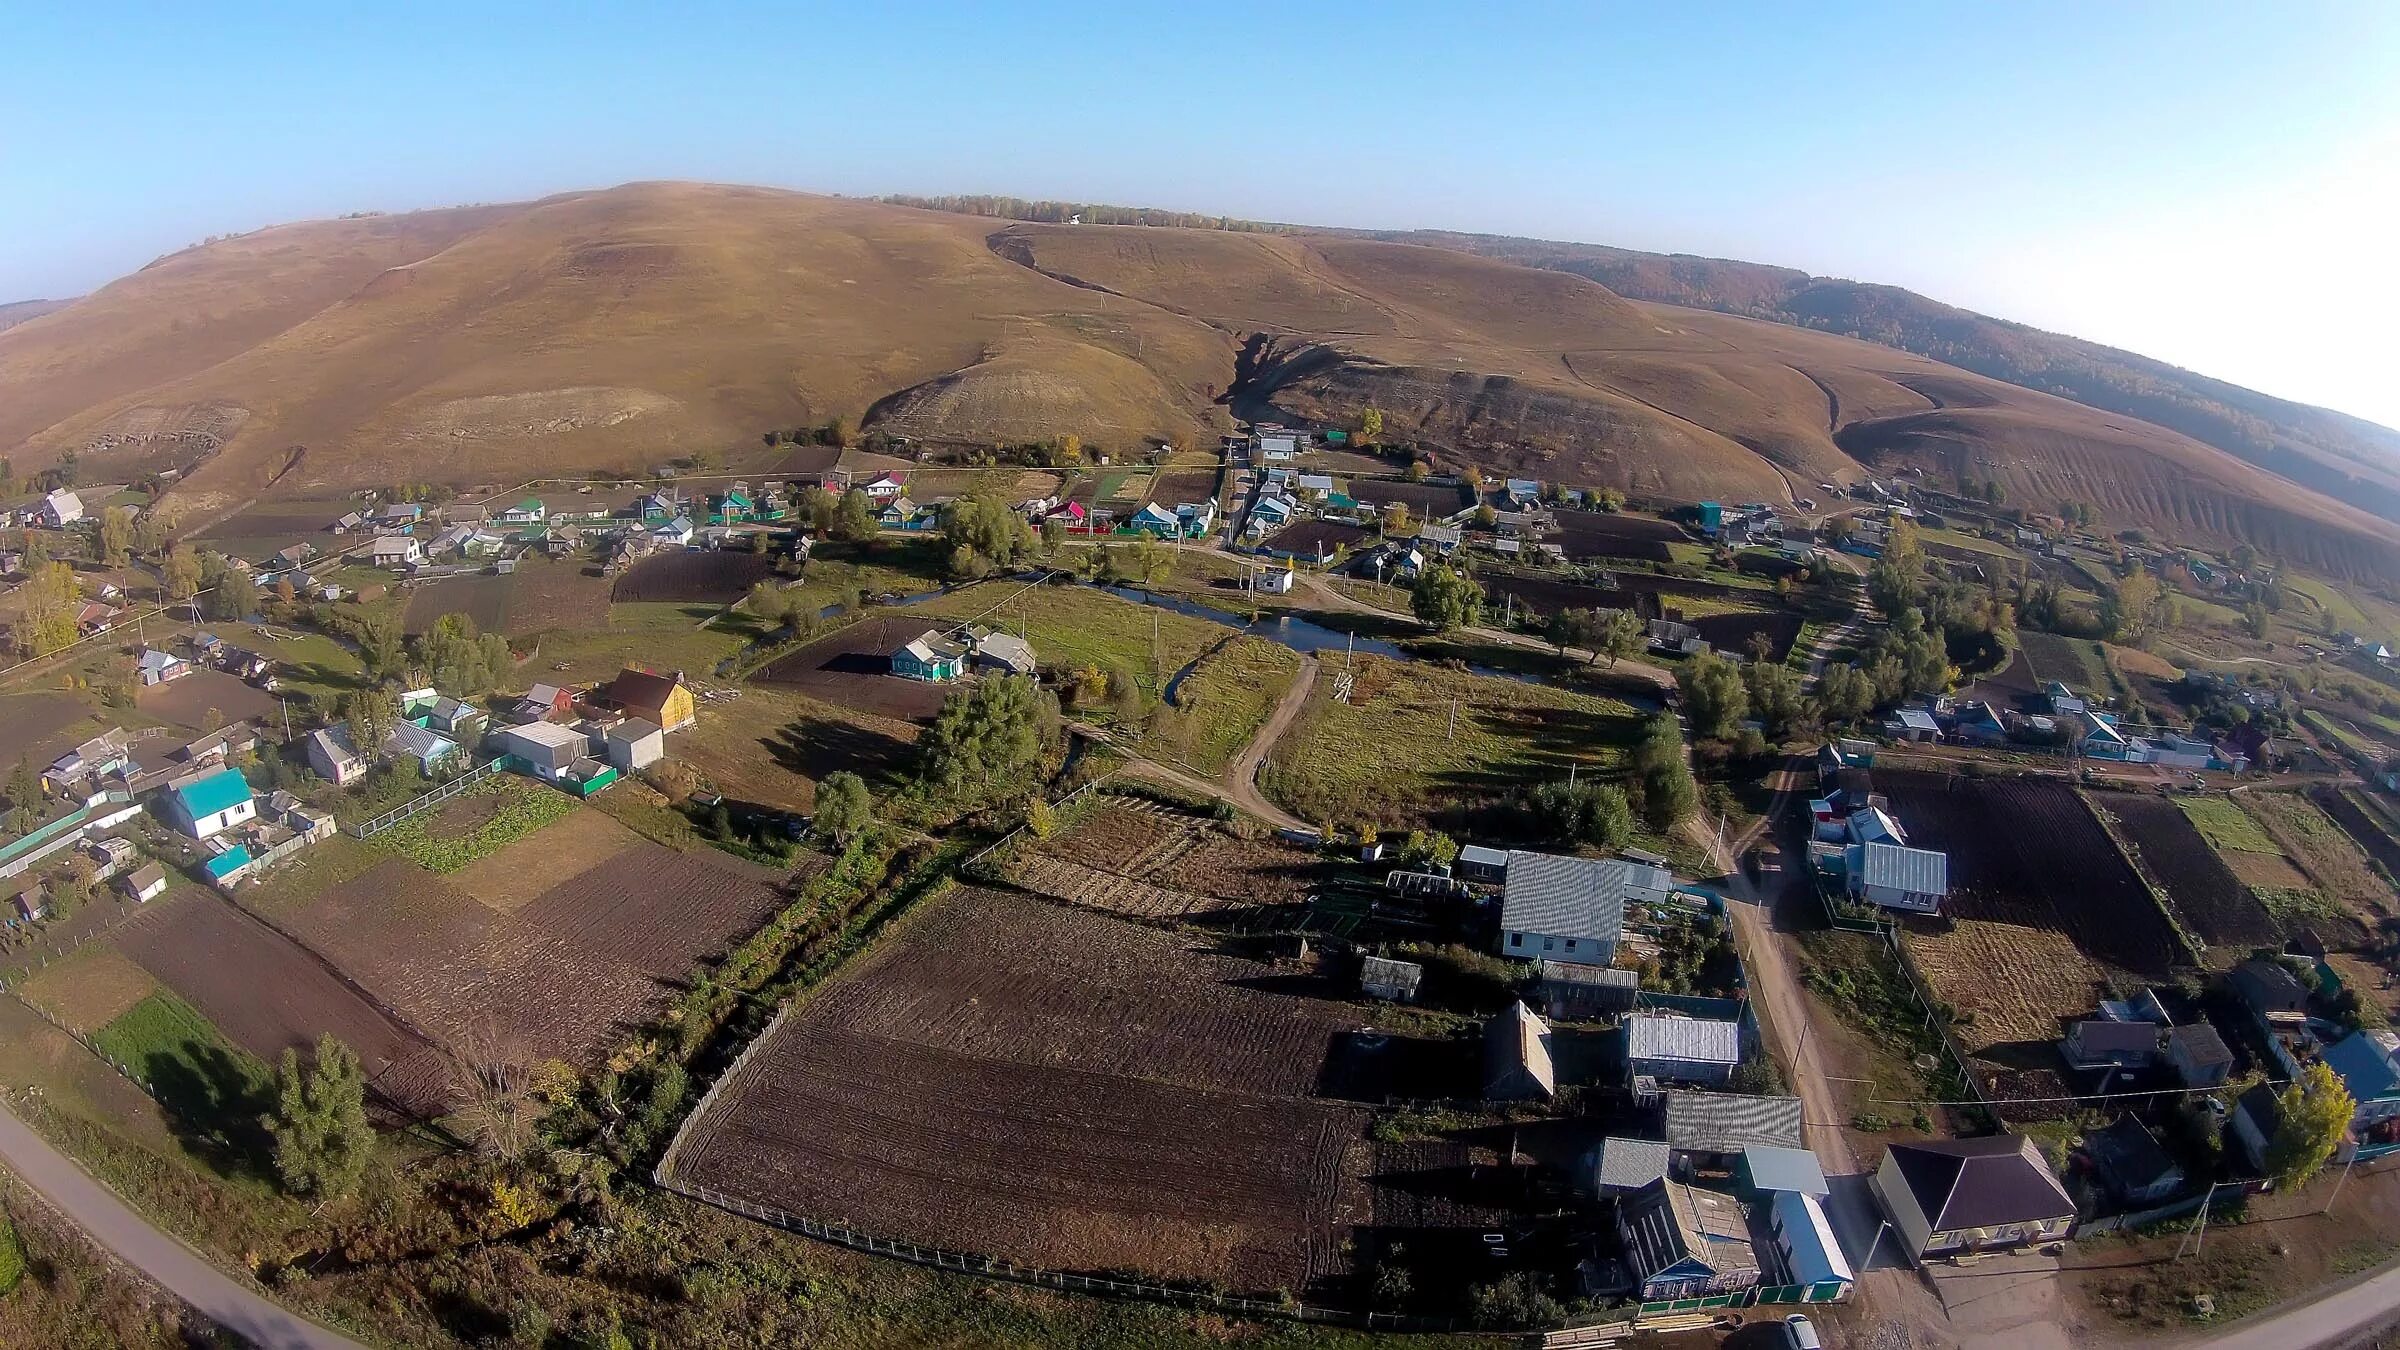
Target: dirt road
x: 1333, y: 599
x: 1241, y: 777
x: 167, y: 1262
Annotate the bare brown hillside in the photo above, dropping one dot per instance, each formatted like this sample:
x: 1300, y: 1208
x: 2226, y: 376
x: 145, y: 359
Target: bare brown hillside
x: 615, y: 329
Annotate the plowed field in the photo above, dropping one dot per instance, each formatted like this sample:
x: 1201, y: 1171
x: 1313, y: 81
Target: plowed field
x: 2214, y: 902
x: 714, y: 576
x: 563, y: 977
x: 1053, y: 1088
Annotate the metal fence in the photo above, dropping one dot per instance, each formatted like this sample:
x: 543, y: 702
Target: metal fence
x: 378, y: 824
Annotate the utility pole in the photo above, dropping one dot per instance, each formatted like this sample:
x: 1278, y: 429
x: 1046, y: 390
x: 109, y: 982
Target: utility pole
x: 285, y: 704
x: 1453, y: 732
x: 2202, y: 1232
x: 2339, y: 1182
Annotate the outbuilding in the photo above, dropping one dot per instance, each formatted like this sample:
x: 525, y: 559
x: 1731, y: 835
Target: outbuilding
x: 635, y: 743
x: 1682, y: 1049
x: 1516, y: 1057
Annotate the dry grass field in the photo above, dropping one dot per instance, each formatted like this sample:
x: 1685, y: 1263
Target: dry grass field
x: 466, y: 345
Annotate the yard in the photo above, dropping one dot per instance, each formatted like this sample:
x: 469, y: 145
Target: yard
x: 1136, y: 858
x: 1139, y: 1105
x: 537, y: 597
x: 1072, y: 627
x: 2331, y: 860
x: 771, y: 746
x: 852, y: 668
x: 2044, y: 918
x: 483, y: 819
x: 1419, y: 743
x: 206, y: 699
x: 2074, y: 662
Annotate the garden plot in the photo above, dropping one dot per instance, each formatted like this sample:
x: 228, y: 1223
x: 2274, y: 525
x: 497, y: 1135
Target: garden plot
x: 481, y: 820
x: 538, y: 597
x: 206, y: 698
x: 1593, y: 534
x: 852, y: 668
x: 2045, y: 916
x: 2331, y: 860
x: 711, y: 576
x: 1133, y: 1104
x: 1142, y: 860
x: 563, y: 976
x: 2214, y: 902
x: 269, y: 994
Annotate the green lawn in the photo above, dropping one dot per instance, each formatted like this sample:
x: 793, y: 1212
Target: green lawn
x: 1419, y: 742
x: 503, y: 809
x: 1970, y: 543
x: 661, y: 635
x: 1075, y: 626
x: 212, y: 1088
x: 1223, y: 702
x: 2225, y: 825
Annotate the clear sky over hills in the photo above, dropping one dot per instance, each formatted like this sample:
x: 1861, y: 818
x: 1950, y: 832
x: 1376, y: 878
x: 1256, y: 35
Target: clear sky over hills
x: 2203, y: 184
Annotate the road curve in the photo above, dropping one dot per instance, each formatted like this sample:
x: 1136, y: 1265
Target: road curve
x: 166, y: 1261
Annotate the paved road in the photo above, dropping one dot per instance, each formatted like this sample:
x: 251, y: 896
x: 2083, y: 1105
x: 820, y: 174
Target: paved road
x: 166, y: 1261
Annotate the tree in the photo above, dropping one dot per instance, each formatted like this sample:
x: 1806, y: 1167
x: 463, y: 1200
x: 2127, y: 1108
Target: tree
x: 460, y: 661
x: 841, y: 431
x: 769, y: 602
x: 51, y: 603
x: 235, y: 595
x: 1568, y: 628
x: 383, y: 643
x: 2317, y: 1107
x: 844, y: 810
x: 1668, y: 792
x: 1416, y: 472
x: 1370, y: 426
x: 1618, y: 634
x: 1396, y: 519
x: 2132, y: 607
x: 112, y: 542
x: 1054, y: 533
x: 854, y: 519
x: 1610, y: 500
x: 1486, y: 518
x: 1583, y: 812
x: 1445, y: 598
x: 1429, y: 850
x: 992, y: 533
x: 1774, y: 690
x: 370, y: 715
x: 1148, y: 562
x: 992, y: 734
x: 1713, y: 696
x: 1844, y: 693
x: 27, y: 804
x: 322, y: 1140
x: 1515, y: 1302
x: 181, y: 572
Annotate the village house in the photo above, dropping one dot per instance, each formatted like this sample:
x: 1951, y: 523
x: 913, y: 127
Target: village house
x: 2129, y: 1162
x: 1004, y: 654
x: 332, y: 757
x: 1682, y: 1049
x: 346, y: 522
x: 543, y: 703
x: 1572, y: 992
x: 1957, y: 1197
x: 1516, y: 1057
x: 157, y: 666
x: 1897, y: 877
x: 1618, y: 1166
x: 545, y: 750
x: 399, y: 515
x: 930, y: 657
x: 428, y: 750
x: 2364, y: 1061
x: 1572, y: 909
x: 96, y: 617
x: 1684, y: 1242
x: 2100, y: 1044
x: 1270, y: 580
x: 1155, y: 519
x: 29, y: 899
x: 143, y: 884
x: 663, y: 700
x: 103, y: 754
x: 883, y: 489
x: 394, y: 550
x: 530, y: 511
x: 60, y: 509
x: 1806, y: 1248
x: 2199, y: 1055
x: 209, y: 803
x: 1392, y: 981
x: 1715, y: 1127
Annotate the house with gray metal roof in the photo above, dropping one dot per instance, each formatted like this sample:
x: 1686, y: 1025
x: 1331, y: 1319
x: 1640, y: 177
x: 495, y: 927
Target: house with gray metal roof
x: 1618, y: 1165
x: 1896, y: 877
x: 1682, y: 1049
x: 1577, y: 993
x: 1722, y: 1123
x: 1556, y: 908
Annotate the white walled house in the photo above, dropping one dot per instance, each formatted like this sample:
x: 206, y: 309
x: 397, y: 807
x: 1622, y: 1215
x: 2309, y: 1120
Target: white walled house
x: 1572, y: 909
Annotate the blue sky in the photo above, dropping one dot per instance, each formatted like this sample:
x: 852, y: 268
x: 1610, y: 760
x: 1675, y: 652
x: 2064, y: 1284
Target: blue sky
x: 2215, y: 185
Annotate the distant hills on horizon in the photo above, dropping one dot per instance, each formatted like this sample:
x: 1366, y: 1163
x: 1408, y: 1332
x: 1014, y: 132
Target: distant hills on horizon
x: 612, y: 330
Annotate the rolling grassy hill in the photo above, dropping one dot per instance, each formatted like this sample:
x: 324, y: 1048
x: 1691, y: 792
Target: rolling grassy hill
x: 615, y: 329
x: 2342, y: 456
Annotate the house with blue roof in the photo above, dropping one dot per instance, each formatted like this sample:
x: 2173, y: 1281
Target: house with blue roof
x: 2363, y: 1061
x: 1807, y: 1252
x: 209, y: 804
x: 228, y: 867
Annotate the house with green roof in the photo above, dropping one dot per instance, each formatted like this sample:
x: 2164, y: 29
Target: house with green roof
x: 733, y: 508
x: 209, y: 804
x: 527, y: 512
x: 228, y: 867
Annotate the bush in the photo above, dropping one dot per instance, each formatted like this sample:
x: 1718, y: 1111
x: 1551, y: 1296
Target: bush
x: 1515, y: 1302
x: 12, y: 1257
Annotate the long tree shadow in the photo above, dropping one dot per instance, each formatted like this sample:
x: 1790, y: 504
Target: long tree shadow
x: 214, y: 1106
x: 813, y: 749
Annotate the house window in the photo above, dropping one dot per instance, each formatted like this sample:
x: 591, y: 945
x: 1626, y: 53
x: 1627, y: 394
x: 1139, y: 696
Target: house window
x: 1549, y: 944
x: 1516, y: 939
x: 1570, y: 944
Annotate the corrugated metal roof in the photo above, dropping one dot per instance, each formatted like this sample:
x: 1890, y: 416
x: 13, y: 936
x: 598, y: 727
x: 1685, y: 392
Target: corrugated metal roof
x: 218, y: 791
x: 1569, y: 972
x: 1916, y: 871
x: 1808, y: 1242
x: 1694, y: 1040
x: 1628, y: 1164
x: 1480, y: 856
x: 1723, y: 1122
x: 1564, y: 897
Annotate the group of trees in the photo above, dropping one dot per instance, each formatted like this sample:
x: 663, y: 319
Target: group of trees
x: 1446, y: 598
x: 50, y: 603
x: 456, y: 658
x: 992, y: 734
x: 1613, y: 633
x: 985, y: 534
